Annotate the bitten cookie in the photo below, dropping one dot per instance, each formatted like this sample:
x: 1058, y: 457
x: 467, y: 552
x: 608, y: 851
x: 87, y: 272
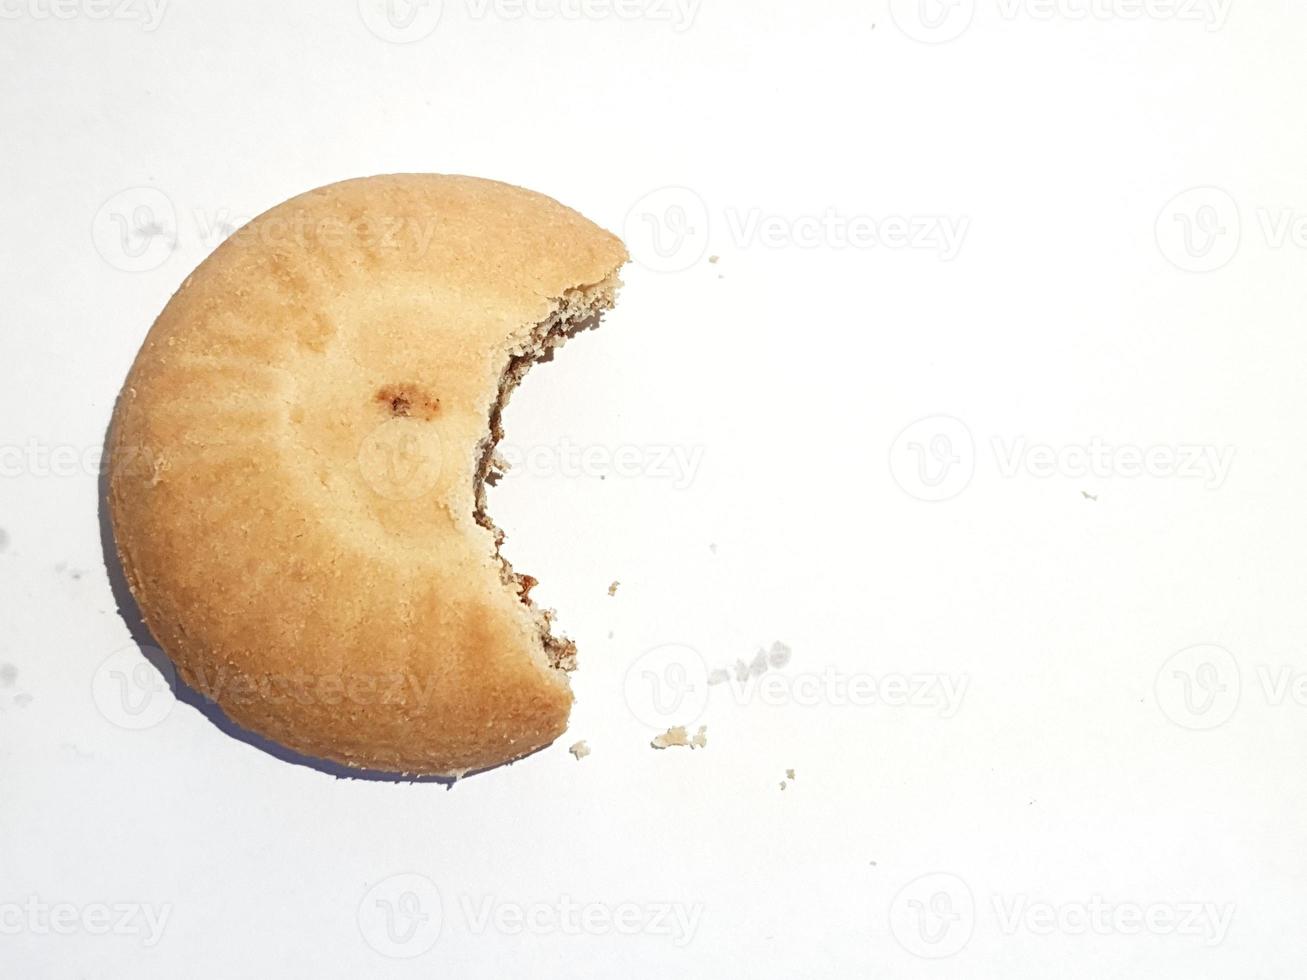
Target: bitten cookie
x: 298, y: 461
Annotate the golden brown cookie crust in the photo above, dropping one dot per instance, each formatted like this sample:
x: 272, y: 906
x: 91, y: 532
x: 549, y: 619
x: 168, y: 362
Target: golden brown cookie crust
x: 295, y: 459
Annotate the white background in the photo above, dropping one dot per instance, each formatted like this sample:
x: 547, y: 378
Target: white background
x: 1093, y: 313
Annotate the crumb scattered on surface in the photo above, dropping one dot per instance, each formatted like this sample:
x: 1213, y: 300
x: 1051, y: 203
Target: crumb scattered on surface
x: 677, y: 736
x: 612, y: 589
x: 580, y: 750
x: 714, y: 259
x: 789, y: 773
x: 673, y: 736
x: 784, y: 784
x: 1089, y: 496
x: 779, y: 654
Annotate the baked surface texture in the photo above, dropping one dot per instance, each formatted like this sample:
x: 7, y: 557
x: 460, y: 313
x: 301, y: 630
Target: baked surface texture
x: 295, y: 462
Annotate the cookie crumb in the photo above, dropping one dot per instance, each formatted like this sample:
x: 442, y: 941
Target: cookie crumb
x: 677, y: 736
x: 612, y: 589
x: 713, y: 259
x: 580, y: 750
x: 779, y: 654
x: 789, y: 773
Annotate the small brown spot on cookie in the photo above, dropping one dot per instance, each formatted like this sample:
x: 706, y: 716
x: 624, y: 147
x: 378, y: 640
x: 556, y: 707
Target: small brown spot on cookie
x: 408, y: 401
